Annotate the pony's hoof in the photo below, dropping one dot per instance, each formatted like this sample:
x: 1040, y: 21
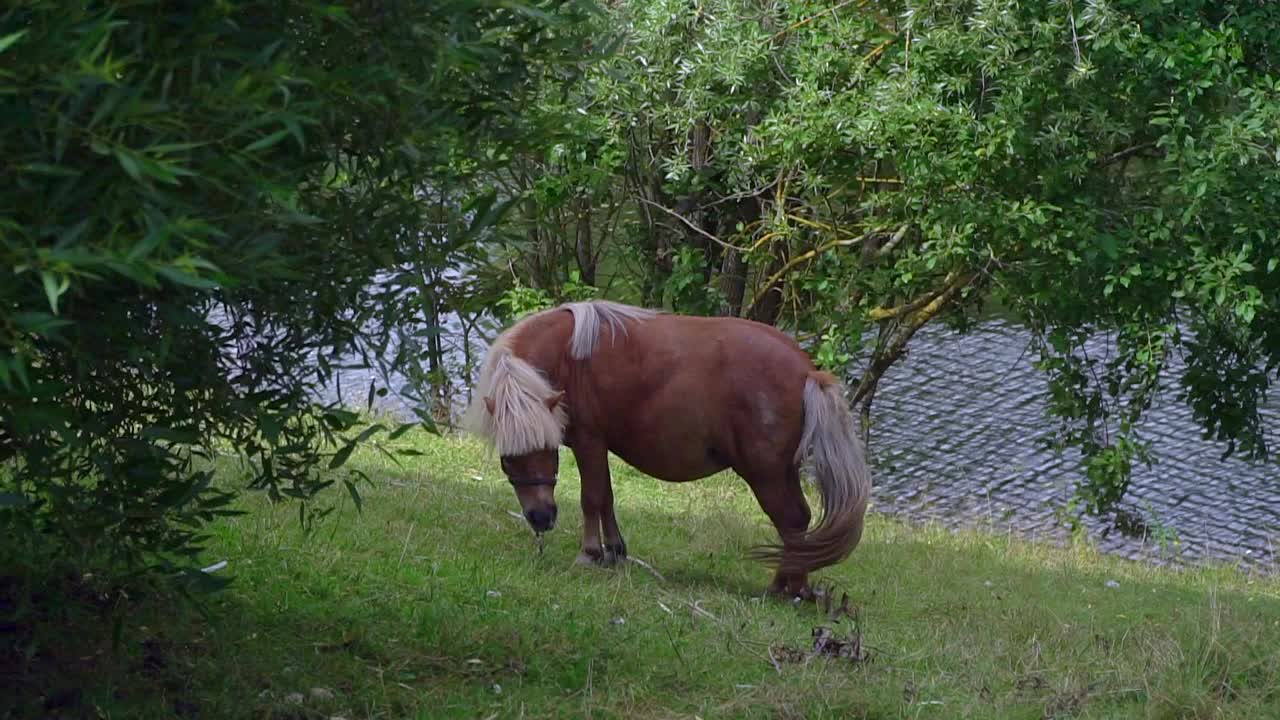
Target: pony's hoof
x: 791, y: 595
x: 587, y: 559
x: 614, y: 555
x: 608, y: 556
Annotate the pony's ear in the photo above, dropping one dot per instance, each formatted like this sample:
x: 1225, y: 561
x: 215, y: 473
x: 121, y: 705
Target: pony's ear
x: 488, y: 404
x: 554, y: 400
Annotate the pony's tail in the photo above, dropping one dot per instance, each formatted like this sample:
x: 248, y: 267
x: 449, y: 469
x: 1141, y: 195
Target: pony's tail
x: 832, y: 444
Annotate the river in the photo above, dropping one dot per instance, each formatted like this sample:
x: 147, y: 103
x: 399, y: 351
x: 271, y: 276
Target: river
x: 959, y: 426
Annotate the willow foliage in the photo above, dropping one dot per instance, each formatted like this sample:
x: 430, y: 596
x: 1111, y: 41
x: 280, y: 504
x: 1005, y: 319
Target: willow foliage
x: 1097, y: 169
x: 197, y: 200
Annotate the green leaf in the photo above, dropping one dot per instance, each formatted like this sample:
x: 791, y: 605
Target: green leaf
x: 401, y: 430
x: 176, y: 435
x: 157, y: 232
x: 355, y: 494
x: 54, y: 287
x: 40, y: 168
x: 181, y: 278
x: 266, y: 142
x: 1109, y: 246
x: 8, y: 40
x: 340, y: 457
x: 369, y: 432
x: 20, y: 370
x: 129, y: 164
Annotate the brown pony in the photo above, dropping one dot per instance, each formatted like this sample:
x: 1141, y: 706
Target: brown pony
x: 678, y: 398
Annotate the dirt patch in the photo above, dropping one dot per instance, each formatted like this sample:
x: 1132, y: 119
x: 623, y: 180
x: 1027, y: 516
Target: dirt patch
x: 837, y: 643
x: 1031, y: 684
x: 1066, y: 704
x: 826, y: 643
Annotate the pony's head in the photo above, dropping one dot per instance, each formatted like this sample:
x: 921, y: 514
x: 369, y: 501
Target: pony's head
x: 533, y: 473
x: 518, y: 411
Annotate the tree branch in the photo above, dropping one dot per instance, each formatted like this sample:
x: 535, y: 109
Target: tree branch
x: 1125, y: 153
x: 912, y: 322
x: 949, y: 284
x: 773, y: 280
x: 811, y: 18
x: 893, y: 241
x: 692, y: 225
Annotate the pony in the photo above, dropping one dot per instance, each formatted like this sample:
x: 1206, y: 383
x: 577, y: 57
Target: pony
x: 679, y: 398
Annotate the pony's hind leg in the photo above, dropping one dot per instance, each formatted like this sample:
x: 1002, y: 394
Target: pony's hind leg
x: 597, y: 507
x: 782, y: 498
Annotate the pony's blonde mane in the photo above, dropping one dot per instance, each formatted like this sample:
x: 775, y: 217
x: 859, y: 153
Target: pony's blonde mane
x: 521, y: 422
x: 589, y: 316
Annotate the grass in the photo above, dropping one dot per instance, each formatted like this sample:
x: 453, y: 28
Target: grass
x: 434, y: 602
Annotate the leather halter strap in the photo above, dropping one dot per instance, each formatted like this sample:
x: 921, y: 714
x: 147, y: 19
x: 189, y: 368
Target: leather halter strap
x: 535, y: 482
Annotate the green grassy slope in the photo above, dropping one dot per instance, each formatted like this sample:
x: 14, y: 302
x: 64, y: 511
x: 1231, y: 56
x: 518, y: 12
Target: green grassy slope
x: 434, y: 602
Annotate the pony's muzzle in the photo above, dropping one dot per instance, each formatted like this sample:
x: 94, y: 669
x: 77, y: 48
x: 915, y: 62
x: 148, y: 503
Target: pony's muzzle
x: 541, y: 520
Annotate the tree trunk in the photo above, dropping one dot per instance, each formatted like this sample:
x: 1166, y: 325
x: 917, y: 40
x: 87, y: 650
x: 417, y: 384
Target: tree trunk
x: 583, y: 246
x: 541, y: 268
x: 733, y: 270
x: 733, y: 282
x: 769, y: 307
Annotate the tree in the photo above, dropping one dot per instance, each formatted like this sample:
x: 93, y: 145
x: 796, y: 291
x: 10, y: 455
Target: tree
x: 856, y: 171
x: 199, y: 199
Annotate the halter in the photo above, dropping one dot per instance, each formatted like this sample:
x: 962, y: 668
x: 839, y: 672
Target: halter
x: 535, y: 482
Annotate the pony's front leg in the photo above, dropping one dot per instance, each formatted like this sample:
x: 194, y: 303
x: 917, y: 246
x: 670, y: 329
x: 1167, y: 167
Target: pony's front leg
x: 597, y: 507
x: 615, y: 548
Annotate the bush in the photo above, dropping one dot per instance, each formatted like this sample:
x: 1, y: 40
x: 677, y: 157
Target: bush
x: 197, y: 200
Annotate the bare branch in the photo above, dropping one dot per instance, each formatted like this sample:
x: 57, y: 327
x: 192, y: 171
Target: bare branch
x: 893, y: 241
x: 1125, y: 153
x: 890, y: 313
x: 692, y: 225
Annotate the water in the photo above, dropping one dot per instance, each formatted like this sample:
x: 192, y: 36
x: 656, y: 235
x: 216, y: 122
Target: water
x: 958, y: 431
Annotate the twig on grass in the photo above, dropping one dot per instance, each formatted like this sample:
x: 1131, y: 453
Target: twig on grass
x: 776, y: 667
x: 405, y: 549
x: 698, y: 609
x: 648, y: 567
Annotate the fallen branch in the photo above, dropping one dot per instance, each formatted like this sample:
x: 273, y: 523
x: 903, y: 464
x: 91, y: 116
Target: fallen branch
x: 698, y: 609
x: 776, y: 667
x: 648, y: 567
x: 1125, y: 153
x: 405, y: 549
